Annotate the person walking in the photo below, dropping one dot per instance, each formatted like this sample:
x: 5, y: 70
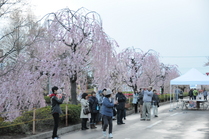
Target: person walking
x: 135, y: 101
x: 147, y: 98
x: 155, y: 103
x: 56, y: 110
x: 121, y: 99
x: 94, y: 107
x: 107, y: 113
x: 84, y: 117
x: 205, y: 94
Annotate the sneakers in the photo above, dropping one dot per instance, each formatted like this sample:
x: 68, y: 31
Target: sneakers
x: 104, y: 133
x: 56, y: 138
x: 110, y: 135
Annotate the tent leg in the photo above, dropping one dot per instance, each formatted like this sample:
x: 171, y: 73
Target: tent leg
x: 177, y: 100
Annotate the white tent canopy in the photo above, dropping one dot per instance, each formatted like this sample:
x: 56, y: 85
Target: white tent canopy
x: 192, y: 77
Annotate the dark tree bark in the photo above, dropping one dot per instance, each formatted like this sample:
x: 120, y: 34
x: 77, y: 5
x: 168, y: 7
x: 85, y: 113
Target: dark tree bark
x: 73, y: 89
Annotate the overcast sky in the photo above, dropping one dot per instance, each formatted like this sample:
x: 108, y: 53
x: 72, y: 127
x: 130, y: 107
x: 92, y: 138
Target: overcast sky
x: 177, y: 29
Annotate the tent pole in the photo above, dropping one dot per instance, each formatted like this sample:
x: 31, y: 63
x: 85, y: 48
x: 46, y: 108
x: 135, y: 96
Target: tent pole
x: 177, y: 106
x: 173, y: 91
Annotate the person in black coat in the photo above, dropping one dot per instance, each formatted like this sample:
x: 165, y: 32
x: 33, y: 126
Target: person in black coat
x: 121, y: 99
x: 191, y: 94
x: 94, y: 106
x: 155, y: 103
x: 56, y: 110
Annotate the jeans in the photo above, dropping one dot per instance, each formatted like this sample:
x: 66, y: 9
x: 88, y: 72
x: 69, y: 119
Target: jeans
x: 107, y: 121
x: 155, y: 110
x: 56, y: 124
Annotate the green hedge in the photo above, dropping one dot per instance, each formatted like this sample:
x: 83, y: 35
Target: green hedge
x: 47, y: 99
x: 165, y: 97
x: 44, y: 120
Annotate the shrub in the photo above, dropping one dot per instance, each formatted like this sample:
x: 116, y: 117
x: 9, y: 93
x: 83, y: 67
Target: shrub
x: 185, y: 94
x: 73, y: 113
x: 44, y: 120
x: 165, y: 97
x: 47, y: 99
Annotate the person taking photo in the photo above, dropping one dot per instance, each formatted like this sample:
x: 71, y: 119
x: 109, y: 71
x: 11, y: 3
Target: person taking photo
x: 56, y: 110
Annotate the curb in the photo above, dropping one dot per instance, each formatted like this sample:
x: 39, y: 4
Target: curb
x: 64, y: 130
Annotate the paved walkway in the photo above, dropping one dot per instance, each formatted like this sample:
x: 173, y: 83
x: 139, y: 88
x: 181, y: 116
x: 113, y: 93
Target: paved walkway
x: 61, y: 131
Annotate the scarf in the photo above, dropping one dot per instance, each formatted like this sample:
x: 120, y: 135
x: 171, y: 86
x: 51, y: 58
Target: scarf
x: 51, y: 95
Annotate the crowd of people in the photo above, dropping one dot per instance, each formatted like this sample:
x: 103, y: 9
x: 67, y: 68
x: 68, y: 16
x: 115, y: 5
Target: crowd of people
x: 197, y: 94
x: 107, y: 105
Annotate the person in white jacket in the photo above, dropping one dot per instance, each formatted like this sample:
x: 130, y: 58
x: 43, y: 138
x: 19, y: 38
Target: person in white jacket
x: 84, y: 103
x: 135, y: 100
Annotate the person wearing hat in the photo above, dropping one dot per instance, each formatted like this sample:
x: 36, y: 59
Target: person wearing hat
x: 107, y: 113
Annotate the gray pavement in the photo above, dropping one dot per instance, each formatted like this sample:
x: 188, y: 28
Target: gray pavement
x: 175, y: 124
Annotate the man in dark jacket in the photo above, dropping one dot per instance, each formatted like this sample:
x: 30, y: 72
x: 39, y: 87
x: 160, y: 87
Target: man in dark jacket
x: 121, y: 99
x: 191, y: 94
x: 94, y: 106
x: 56, y: 110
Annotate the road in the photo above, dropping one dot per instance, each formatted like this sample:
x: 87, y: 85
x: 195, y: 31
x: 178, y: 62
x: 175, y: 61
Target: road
x: 176, y: 124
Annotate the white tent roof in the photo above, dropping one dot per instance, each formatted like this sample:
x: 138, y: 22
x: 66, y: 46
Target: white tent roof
x: 192, y: 77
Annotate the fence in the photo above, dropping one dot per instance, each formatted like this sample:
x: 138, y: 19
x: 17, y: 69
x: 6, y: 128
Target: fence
x: 33, y: 120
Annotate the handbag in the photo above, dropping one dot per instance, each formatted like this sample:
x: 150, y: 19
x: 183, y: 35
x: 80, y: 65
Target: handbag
x: 86, y: 110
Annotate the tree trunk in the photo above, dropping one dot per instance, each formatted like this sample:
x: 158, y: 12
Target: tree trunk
x: 162, y: 89
x: 73, y: 89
